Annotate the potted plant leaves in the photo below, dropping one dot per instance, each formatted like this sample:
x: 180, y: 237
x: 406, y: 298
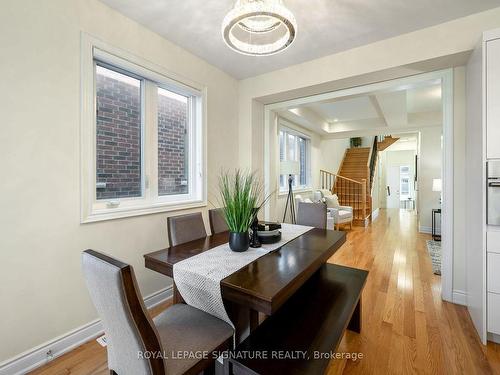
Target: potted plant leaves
x: 241, y: 200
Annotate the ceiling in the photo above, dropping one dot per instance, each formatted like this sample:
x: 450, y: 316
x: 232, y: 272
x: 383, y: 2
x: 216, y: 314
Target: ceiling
x: 394, y: 110
x: 324, y: 26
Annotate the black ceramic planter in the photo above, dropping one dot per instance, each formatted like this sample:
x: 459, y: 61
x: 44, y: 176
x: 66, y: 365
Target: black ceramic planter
x: 239, y: 241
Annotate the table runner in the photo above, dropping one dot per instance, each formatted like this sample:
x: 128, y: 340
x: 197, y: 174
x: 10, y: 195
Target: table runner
x: 198, y: 278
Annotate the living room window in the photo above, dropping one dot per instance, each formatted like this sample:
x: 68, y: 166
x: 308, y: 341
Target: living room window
x: 143, y: 146
x: 295, y: 147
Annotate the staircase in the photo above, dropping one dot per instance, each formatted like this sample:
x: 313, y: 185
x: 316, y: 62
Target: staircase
x: 354, y: 181
x: 356, y: 166
x: 385, y: 141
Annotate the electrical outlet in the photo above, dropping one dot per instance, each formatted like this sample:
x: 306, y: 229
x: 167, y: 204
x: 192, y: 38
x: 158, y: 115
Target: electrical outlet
x: 50, y: 355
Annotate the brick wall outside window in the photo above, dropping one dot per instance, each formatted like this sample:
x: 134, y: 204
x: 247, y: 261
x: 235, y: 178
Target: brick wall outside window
x: 172, y: 136
x: 118, y: 141
x: 118, y: 138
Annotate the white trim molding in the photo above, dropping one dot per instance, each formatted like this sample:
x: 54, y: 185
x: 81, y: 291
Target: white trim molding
x: 36, y: 357
x: 446, y: 78
x: 153, y: 77
x: 493, y: 337
x: 459, y: 297
x: 424, y: 229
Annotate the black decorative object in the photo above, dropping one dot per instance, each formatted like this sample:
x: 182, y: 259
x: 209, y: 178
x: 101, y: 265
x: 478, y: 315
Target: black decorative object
x: 270, y: 239
x: 254, y: 240
x: 356, y: 141
x: 435, y: 235
x: 290, y: 202
x: 239, y: 242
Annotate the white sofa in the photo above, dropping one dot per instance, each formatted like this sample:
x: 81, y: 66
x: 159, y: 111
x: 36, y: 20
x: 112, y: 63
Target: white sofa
x: 339, y: 214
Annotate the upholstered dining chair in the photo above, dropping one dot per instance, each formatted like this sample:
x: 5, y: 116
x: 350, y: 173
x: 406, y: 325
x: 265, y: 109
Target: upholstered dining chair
x: 217, y: 222
x: 311, y: 214
x: 139, y: 345
x: 185, y: 228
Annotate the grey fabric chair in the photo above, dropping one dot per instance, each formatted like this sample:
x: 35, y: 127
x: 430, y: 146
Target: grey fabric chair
x: 217, y: 222
x: 185, y: 228
x: 311, y: 214
x: 130, y: 332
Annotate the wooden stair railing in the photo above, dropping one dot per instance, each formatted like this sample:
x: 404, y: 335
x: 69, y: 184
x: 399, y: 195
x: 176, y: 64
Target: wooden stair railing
x: 350, y: 193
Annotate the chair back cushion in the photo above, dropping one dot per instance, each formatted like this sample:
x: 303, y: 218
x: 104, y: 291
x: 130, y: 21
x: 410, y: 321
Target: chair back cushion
x: 332, y: 201
x: 185, y: 228
x: 217, y: 221
x: 129, y: 330
x: 325, y: 192
x: 311, y: 214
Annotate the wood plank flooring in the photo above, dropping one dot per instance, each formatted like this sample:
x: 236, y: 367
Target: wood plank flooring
x: 407, y: 329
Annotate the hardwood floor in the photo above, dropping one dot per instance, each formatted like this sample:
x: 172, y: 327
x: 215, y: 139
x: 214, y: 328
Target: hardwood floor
x: 406, y: 326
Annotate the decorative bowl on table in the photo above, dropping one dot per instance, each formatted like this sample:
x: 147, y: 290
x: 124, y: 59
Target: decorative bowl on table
x: 269, y: 233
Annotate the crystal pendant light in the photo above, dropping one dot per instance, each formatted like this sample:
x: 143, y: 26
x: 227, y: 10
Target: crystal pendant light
x: 259, y: 27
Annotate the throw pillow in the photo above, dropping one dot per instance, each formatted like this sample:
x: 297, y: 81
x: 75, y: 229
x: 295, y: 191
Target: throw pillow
x: 332, y: 201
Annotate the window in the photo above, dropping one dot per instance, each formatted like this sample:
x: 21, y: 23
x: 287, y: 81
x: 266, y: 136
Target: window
x: 118, y: 135
x: 142, y: 140
x: 404, y: 177
x: 295, y: 147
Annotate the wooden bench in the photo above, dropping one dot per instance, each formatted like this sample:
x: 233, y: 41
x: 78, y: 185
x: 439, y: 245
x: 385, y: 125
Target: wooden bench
x: 313, y: 321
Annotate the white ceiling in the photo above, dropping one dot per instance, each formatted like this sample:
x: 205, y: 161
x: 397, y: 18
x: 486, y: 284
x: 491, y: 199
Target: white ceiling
x: 324, y: 26
x: 395, y: 110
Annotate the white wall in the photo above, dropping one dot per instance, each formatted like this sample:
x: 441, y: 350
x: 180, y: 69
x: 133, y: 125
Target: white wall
x: 429, y: 169
x: 332, y: 153
x: 41, y: 238
x: 459, y: 180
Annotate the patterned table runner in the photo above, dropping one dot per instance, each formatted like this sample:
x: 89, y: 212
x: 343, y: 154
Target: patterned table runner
x: 198, y: 278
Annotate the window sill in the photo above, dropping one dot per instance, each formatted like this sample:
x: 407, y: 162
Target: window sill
x: 296, y: 191
x: 117, y: 213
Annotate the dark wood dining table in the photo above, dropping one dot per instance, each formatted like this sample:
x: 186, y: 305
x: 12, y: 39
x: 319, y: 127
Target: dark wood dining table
x: 263, y: 285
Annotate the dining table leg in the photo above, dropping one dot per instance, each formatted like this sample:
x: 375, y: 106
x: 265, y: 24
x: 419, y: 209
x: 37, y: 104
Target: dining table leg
x: 245, y: 320
x: 253, y: 319
x: 355, y: 322
x: 176, y: 297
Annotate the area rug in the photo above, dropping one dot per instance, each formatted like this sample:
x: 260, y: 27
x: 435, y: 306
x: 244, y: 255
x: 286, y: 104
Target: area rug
x: 434, y: 249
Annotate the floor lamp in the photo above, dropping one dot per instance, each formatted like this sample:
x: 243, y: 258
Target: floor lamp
x: 290, y: 168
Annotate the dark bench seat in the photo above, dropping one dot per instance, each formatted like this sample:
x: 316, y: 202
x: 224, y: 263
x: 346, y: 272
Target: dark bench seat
x: 312, y: 321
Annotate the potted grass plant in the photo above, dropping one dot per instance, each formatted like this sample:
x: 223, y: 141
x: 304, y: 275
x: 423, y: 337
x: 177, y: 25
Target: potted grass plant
x: 241, y: 194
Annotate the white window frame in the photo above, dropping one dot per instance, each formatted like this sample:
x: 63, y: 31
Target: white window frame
x: 153, y: 76
x: 289, y: 130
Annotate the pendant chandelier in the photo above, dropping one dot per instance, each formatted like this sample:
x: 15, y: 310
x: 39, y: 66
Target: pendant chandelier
x: 259, y: 27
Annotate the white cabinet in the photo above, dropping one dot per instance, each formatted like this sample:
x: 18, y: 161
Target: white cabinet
x: 493, y: 242
x: 493, y: 283
x: 482, y: 144
x: 493, y: 98
x: 494, y: 313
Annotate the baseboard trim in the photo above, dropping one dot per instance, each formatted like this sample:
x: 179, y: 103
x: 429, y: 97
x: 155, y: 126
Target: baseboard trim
x: 36, y: 357
x: 494, y: 337
x: 459, y: 297
x: 375, y: 214
x: 423, y: 229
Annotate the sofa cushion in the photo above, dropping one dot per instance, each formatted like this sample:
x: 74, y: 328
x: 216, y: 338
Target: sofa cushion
x: 332, y: 201
x: 345, y: 214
